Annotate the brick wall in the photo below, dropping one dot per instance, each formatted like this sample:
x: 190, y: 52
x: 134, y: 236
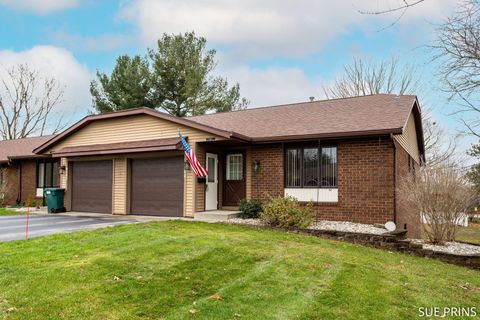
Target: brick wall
x: 365, y: 180
x: 12, y: 185
x: 269, y: 181
x: 28, y: 181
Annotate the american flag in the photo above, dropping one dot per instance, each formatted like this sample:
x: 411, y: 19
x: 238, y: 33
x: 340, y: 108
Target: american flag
x: 192, y: 159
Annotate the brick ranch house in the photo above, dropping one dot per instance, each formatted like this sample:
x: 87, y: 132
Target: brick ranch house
x: 348, y: 156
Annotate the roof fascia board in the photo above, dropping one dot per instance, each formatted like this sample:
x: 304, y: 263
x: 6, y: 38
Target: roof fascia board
x: 354, y: 134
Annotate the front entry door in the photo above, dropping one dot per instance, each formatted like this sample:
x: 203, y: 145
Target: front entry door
x: 234, y: 179
x: 211, y: 192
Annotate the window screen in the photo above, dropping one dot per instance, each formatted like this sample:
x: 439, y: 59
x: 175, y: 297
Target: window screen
x: 310, y: 167
x: 235, y: 167
x: 293, y: 168
x: 328, y: 167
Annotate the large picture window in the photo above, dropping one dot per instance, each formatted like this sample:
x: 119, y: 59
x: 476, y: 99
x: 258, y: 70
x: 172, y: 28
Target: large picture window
x: 311, y: 167
x: 48, y: 174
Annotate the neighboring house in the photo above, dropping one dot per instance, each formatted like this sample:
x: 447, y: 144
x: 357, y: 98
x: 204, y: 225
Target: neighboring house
x: 24, y: 173
x: 346, y: 155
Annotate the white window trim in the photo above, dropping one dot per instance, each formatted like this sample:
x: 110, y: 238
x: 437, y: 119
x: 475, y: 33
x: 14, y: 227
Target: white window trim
x: 313, y: 194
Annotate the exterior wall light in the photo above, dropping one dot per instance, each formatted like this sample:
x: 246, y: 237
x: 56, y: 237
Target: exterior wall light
x: 186, y: 165
x: 256, y: 166
x: 63, y: 169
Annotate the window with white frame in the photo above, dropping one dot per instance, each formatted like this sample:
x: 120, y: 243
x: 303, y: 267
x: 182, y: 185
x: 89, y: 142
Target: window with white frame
x: 234, y: 167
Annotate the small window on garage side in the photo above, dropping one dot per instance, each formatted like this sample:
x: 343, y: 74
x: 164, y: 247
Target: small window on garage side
x: 235, y: 167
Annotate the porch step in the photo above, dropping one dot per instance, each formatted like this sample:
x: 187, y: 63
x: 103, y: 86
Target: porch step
x: 216, y: 215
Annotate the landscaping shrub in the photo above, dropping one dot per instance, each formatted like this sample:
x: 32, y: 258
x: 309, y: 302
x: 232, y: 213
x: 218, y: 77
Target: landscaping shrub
x: 250, y: 209
x: 287, y: 212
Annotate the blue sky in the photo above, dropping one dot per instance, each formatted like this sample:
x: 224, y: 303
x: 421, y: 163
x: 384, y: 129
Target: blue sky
x: 279, y: 52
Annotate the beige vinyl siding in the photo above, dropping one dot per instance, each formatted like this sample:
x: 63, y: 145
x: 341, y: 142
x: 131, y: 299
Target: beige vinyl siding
x: 120, y: 186
x: 408, y: 139
x: 137, y: 128
x: 126, y: 129
x: 64, y: 175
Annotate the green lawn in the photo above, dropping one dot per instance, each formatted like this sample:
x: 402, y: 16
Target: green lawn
x: 164, y: 270
x: 9, y: 212
x: 470, y: 233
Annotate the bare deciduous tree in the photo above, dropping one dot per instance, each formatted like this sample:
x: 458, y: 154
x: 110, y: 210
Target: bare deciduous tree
x: 440, y: 195
x: 440, y: 146
x: 27, y: 103
x: 399, y: 8
x: 365, y: 77
x: 457, y: 48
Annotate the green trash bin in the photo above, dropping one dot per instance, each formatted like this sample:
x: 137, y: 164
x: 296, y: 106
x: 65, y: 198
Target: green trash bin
x: 55, y: 198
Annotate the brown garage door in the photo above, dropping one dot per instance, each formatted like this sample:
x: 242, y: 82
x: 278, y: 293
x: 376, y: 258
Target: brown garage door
x: 157, y: 186
x: 92, y: 186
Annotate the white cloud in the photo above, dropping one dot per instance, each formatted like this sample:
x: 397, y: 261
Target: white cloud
x: 263, y: 28
x: 60, y: 64
x: 40, y: 6
x: 272, y: 86
x: 102, y: 42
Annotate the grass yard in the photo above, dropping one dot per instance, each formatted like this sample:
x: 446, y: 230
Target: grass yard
x: 470, y: 233
x: 9, y: 212
x: 165, y: 270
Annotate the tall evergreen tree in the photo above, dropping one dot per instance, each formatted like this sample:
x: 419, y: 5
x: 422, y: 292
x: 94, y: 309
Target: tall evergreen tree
x: 176, y: 78
x: 182, y: 81
x: 127, y: 87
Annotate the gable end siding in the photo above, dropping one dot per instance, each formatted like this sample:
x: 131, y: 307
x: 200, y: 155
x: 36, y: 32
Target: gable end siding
x: 408, y: 139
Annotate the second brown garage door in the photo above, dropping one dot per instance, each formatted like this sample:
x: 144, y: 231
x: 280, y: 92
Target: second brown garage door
x: 157, y: 186
x: 92, y: 186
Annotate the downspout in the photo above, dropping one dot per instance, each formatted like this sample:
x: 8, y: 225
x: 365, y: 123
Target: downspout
x: 19, y: 196
x: 394, y: 180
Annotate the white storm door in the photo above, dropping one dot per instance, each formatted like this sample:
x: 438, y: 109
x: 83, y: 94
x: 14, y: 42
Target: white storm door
x: 211, y: 190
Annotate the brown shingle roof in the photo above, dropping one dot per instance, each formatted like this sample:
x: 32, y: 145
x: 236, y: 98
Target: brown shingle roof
x: 20, y: 148
x: 373, y: 114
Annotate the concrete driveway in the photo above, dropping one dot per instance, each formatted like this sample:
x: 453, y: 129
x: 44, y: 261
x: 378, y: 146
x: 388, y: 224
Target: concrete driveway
x: 13, y: 227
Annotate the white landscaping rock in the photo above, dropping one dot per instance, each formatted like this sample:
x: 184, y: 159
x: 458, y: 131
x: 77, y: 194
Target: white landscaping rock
x: 252, y: 222
x: 450, y: 247
x: 347, y: 227
x: 323, y: 225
